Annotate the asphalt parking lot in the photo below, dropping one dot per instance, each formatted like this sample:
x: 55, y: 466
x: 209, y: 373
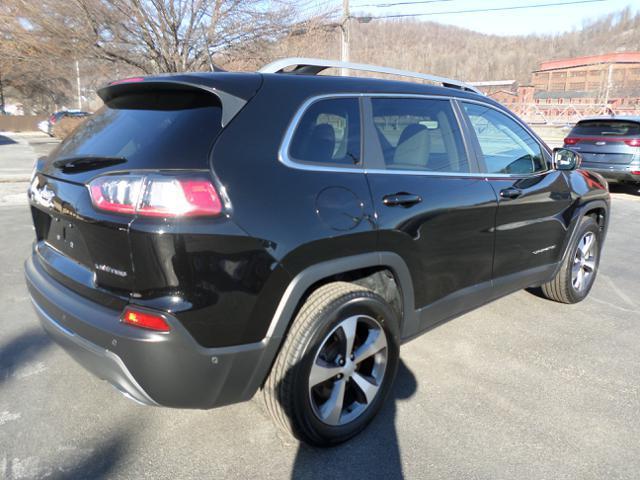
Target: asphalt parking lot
x: 521, y: 388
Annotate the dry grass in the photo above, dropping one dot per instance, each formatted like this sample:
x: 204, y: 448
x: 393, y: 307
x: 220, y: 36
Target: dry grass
x: 65, y: 126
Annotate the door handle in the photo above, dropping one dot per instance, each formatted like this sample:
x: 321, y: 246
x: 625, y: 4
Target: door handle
x: 510, y: 192
x: 402, y: 198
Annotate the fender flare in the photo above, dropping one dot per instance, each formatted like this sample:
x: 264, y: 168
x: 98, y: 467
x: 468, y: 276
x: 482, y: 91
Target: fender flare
x: 283, y: 316
x: 306, y: 278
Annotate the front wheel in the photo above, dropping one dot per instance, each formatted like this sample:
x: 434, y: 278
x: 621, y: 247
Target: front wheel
x: 336, y: 365
x: 575, y: 278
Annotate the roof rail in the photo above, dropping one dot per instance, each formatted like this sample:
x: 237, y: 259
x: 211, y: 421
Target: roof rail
x: 313, y: 66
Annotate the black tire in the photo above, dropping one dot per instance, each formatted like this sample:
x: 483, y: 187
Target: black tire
x: 562, y: 288
x: 287, y: 391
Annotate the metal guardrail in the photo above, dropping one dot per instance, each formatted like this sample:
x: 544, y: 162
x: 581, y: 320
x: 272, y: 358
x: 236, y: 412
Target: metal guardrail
x: 560, y: 114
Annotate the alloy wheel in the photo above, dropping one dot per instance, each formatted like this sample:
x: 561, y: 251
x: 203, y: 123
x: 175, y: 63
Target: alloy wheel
x: 584, y: 262
x: 348, y: 370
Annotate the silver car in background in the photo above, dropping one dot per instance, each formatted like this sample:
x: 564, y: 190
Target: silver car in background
x: 609, y: 146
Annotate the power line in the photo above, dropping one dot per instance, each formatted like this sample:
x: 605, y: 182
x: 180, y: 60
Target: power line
x: 385, y: 5
x: 482, y: 10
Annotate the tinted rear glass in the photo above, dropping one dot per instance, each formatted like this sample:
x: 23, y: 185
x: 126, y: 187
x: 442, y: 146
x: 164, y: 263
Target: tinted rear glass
x: 162, y: 129
x: 606, y: 128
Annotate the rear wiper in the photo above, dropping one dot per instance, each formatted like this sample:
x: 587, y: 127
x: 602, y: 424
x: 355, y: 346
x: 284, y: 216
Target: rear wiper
x: 83, y: 164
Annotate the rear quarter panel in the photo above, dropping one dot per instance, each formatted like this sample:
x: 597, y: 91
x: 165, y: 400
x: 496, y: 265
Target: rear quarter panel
x: 300, y: 217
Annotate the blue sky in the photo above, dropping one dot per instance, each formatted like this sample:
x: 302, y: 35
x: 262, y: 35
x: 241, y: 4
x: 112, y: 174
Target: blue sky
x: 545, y: 20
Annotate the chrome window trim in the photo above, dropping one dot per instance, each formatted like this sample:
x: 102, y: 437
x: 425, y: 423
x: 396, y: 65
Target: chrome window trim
x: 283, y: 151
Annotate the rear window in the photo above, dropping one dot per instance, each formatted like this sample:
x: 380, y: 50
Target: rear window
x: 161, y: 129
x: 606, y: 128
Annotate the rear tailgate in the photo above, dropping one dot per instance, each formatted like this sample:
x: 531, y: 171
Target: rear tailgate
x: 88, y: 251
x: 149, y: 126
x: 614, y: 142
x: 606, y: 157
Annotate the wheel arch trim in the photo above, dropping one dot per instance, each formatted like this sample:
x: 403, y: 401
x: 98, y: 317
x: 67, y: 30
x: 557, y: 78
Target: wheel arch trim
x: 306, y: 278
x: 580, y: 212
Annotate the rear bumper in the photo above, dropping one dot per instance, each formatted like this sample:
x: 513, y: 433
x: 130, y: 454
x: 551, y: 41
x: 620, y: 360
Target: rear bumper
x: 167, y: 369
x: 615, y: 173
x: 99, y: 361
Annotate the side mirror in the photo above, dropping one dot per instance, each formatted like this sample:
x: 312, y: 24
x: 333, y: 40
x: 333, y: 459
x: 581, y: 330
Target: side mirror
x: 565, y: 159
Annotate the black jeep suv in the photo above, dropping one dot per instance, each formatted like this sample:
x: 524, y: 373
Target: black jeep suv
x: 207, y: 236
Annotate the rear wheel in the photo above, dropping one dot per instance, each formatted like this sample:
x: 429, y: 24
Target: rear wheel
x: 575, y: 278
x: 336, y: 365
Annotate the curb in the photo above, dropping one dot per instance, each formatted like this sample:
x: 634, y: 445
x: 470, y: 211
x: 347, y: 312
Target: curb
x: 17, y: 178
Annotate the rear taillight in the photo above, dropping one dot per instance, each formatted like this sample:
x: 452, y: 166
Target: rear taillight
x: 179, y: 197
x: 632, y: 142
x: 635, y: 172
x: 155, y: 195
x: 52, y: 119
x: 146, y: 320
x: 116, y: 194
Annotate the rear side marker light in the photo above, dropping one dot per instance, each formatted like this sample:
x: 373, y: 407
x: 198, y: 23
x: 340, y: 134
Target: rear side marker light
x: 155, y: 195
x: 146, y: 320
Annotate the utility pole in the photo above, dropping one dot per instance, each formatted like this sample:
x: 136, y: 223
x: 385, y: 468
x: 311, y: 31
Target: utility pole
x: 344, y: 28
x: 78, y: 85
x: 609, y: 78
x: 2, y: 110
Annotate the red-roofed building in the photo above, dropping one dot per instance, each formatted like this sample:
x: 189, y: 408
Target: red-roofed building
x: 564, y: 91
x: 592, y: 79
x: 570, y: 89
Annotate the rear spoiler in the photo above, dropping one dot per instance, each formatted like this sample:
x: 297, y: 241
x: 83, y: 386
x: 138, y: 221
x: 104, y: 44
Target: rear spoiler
x: 231, y: 104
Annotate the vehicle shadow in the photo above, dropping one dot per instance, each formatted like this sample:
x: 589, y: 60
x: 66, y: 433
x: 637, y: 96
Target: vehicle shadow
x: 20, y: 350
x: 104, y: 457
x: 4, y: 140
x: 626, y: 188
x: 536, y: 291
x: 375, y: 453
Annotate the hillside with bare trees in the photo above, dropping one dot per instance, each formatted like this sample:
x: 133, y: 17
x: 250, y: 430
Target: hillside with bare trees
x: 468, y: 55
x: 41, y: 42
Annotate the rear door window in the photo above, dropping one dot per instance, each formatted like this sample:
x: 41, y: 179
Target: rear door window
x: 608, y: 128
x: 419, y: 135
x: 328, y: 133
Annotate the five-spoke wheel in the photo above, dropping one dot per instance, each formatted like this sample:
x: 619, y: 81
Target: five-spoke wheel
x: 584, y: 262
x: 336, y: 365
x: 348, y: 369
x: 579, y: 267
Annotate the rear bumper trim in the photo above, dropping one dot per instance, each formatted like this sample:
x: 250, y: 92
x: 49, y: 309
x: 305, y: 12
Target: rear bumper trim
x: 616, y: 172
x: 104, y: 363
x: 167, y: 369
